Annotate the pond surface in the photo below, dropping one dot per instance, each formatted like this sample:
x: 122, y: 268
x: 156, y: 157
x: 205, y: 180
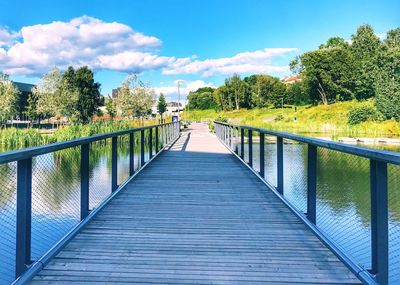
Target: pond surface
x: 343, y: 199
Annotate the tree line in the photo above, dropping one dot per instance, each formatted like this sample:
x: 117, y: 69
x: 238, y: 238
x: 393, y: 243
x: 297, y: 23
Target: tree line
x: 74, y: 95
x: 362, y: 68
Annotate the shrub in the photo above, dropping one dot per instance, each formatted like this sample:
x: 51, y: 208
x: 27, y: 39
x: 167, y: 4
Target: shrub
x: 221, y: 118
x: 279, y: 118
x: 363, y: 113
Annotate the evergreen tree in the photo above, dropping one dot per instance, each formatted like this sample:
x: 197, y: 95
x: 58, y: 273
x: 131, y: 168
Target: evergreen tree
x: 161, y: 106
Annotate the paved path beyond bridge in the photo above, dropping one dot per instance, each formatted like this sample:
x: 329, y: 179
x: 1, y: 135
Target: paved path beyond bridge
x: 195, y: 215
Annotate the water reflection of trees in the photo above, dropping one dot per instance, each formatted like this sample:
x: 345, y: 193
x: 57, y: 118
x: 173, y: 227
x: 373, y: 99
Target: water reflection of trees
x: 8, y: 183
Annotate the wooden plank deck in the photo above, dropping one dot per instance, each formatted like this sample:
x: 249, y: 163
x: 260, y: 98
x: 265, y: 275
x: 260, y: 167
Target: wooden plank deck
x: 195, y: 215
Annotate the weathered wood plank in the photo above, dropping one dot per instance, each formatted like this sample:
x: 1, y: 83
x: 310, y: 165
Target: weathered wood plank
x: 195, y: 215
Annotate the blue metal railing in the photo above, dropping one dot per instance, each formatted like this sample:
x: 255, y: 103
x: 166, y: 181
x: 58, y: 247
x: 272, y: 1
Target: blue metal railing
x: 25, y: 267
x: 234, y: 135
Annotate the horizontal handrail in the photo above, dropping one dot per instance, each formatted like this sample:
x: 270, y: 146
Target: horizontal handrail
x: 44, y: 149
x: 377, y: 154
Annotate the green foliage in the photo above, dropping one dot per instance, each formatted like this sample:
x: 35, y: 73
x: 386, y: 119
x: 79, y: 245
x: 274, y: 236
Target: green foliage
x: 363, y: 113
x: 73, y: 93
x: 111, y: 107
x: 88, y: 92
x: 135, y: 98
x: 202, y: 99
x: 9, y: 95
x: 327, y: 73
x: 31, y: 108
x: 161, y: 105
x: 388, y: 80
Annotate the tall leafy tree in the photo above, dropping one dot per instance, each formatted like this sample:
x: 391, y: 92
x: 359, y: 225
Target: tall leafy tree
x: 135, y: 98
x: 236, y: 89
x: 387, y: 85
x: 365, y: 49
x: 9, y: 95
x: 81, y: 82
x: 327, y: 72
x: 202, y: 99
x: 161, y: 105
x: 49, y: 95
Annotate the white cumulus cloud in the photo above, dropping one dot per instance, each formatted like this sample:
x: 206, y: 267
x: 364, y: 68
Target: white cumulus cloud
x: 101, y: 45
x: 246, y: 62
x: 81, y: 41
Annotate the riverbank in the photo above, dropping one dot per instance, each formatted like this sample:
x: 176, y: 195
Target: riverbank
x: 317, y: 121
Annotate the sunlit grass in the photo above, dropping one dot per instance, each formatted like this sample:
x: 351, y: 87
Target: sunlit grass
x: 322, y: 120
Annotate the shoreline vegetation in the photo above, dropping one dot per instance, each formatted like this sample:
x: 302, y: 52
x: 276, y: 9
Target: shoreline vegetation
x: 323, y: 121
x: 15, y: 139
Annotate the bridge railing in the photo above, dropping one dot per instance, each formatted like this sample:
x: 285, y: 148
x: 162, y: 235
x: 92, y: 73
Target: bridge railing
x: 48, y: 193
x: 348, y: 195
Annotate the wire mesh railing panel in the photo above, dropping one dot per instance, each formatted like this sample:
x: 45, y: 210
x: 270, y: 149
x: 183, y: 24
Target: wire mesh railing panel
x: 100, y: 167
x: 123, y: 158
x: 8, y: 205
x: 270, y: 160
x: 343, y: 202
x: 295, y: 174
x: 394, y: 223
x: 55, y: 197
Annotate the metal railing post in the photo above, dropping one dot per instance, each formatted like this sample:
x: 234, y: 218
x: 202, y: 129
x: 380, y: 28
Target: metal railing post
x: 379, y: 221
x: 114, y: 163
x: 24, y: 216
x: 236, y: 140
x: 262, y: 154
x: 279, y: 144
x: 141, y: 147
x: 250, y: 133
x: 131, y: 154
x: 312, y: 184
x: 84, y: 180
x: 150, y: 143
x: 157, y: 141
x: 242, y: 143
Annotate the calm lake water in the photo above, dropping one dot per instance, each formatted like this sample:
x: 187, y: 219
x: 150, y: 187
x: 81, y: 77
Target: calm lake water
x: 343, y: 197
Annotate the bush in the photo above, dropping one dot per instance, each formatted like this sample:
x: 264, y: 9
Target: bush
x: 363, y: 113
x: 221, y: 118
x: 279, y: 118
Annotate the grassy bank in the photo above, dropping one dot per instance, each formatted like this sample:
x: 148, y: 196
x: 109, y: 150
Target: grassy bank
x: 322, y: 120
x: 13, y: 138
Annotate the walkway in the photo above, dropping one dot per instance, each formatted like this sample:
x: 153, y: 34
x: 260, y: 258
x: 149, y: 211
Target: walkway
x: 195, y: 215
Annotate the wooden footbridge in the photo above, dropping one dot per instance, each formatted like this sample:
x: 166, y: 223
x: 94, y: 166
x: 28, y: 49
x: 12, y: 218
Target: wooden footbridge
x: 194, y: 214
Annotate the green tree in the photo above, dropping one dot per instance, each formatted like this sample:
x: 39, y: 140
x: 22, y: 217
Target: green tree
x: 327, y: 73
x: 50, y: 99
x: 31, y: 109
x: 162, y: 105
x: 9, y: 95
x: 135, y: 98
x: 236, y: 89
x: 80, y: 83
x: 365, y: 50
x: 202, y: 99
x: 111, y: 107
x: 387, y: 85
x: 334, y: 42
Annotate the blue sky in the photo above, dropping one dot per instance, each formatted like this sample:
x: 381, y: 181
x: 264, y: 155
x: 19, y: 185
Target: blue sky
x: 201, y: 42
